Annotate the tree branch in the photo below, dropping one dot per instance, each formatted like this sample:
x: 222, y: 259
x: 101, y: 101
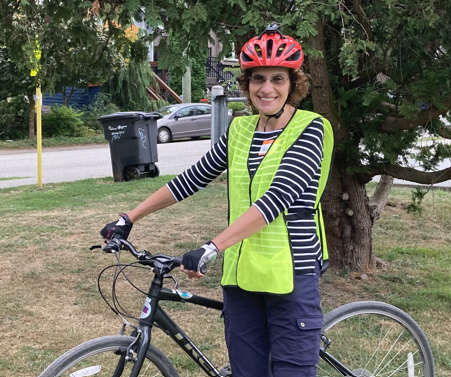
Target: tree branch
x: 390, y: 44
x: 394, y: 123
x: 9, y: 15
x: 104, y: 46
x: 444, y: 132
x: 363, y: 76
x: 392, y: 108
x: 413, y: 175
x: 363, y: 19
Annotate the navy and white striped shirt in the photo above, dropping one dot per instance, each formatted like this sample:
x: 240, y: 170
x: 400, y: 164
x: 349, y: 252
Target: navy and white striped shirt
x: 293, y: 188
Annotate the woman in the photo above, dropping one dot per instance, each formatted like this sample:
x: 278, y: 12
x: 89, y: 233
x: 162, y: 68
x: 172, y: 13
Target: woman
x: 277, y: 162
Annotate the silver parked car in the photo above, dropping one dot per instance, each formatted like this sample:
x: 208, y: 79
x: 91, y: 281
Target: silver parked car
x: 185, y: 120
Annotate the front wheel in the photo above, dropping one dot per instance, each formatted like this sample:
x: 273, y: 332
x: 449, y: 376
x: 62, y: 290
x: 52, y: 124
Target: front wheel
x: 105, y: 357
x: 374, y: 339
x: 164, y: 135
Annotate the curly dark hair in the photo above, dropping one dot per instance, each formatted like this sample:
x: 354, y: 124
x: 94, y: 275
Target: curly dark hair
x: 298, y: 91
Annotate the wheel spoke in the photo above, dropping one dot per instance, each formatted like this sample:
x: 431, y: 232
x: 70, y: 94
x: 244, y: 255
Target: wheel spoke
x: 374, y: 339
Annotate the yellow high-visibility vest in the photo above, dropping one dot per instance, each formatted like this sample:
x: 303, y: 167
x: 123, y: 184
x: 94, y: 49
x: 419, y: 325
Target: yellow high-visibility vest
x: 264, y: 262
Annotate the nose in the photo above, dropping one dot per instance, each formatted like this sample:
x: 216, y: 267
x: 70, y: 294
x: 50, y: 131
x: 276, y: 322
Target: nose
x: 267, y: 86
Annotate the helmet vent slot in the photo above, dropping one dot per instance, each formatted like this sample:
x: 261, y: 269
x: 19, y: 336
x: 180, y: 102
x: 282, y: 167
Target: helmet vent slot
x: 280, y: 50
x: 245, y: 57
x: 258, y: 50
x: 295, y: 57
x: 269, y: 45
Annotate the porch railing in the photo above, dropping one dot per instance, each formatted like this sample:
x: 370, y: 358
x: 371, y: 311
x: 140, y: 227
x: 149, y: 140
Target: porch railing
x: 215, y: 69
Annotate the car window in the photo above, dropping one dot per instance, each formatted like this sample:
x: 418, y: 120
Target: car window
x: 186, y: 112
x: 167, y: 110
x: 202, y: 110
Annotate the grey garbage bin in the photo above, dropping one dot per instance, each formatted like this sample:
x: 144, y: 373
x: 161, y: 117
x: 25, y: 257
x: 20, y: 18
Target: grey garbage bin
x: 133, y: 144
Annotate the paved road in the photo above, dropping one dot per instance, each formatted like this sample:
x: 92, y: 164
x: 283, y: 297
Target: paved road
x: 75, y: 163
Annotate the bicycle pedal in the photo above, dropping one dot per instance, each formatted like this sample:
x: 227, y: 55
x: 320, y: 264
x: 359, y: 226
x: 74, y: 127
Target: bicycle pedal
x: 226, y: 370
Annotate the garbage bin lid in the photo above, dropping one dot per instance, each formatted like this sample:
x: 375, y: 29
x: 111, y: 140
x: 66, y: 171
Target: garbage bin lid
x: 134, y: 115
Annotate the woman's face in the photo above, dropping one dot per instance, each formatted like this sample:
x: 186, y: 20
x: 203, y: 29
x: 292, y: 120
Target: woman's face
x: 269, y: 88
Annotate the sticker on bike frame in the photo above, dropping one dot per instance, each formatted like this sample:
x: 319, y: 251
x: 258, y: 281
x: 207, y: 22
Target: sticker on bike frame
x: 90, y: 371
x: 146, y: 309
x: 183, y: 294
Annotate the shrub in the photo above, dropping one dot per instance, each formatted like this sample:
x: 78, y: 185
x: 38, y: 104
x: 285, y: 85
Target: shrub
x: 102, y: 105
x: 14, y: 116
x: 62, y: 121
x: 236, y: 106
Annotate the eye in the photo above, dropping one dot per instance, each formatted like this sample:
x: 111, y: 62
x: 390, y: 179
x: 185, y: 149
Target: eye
x: 258, y: 79
x: 278, y: 80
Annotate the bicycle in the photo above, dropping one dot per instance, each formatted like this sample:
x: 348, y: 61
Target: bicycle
x: 360, y: 339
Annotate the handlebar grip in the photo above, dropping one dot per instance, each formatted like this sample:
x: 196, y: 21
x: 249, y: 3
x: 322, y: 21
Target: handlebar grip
x: 112, y: 246
x: 203, y: 269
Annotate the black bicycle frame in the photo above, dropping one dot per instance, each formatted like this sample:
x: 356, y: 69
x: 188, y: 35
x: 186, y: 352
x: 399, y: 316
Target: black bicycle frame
x: 177, y: 334
x: 153, y: 314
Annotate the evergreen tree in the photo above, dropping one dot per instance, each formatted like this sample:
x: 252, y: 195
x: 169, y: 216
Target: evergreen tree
x: 128, y: 87
x: 380, y: 72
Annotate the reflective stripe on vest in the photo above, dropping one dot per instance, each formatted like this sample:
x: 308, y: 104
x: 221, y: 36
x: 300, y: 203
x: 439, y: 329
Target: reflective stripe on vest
x: 263, y: 262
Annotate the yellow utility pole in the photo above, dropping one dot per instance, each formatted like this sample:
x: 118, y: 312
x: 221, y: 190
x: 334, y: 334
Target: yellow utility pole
x: 39, y: 134
x: 34, y: 72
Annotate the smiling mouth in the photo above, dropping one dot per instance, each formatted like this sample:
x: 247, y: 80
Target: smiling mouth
x: 267, y: 99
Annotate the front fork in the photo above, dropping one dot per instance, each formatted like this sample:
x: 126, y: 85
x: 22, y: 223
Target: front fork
x: 142, y: 351
x: 332, y: 361
x: 146, y: 321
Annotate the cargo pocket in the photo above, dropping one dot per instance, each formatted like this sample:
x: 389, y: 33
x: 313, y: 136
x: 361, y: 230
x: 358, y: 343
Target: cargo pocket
x: 309, y: 339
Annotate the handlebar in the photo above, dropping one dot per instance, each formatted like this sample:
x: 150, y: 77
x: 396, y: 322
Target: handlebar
x: 162, y: 262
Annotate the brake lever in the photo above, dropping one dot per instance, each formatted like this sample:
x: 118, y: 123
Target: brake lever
x: 112, y: 246
x: 106, y: 249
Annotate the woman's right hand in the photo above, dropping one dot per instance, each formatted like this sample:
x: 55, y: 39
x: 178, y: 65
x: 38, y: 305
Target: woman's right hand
x: 120, y: 228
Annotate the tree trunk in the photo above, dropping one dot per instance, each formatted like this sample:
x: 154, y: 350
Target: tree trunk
x: 32, y: 113
x: 380, y: 196
x: 348, y: 222
x: 346, y: 208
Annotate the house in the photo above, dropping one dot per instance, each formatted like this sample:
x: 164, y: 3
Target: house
x: 216, y: 75
x: 75, y: 97
x: 214, y: 67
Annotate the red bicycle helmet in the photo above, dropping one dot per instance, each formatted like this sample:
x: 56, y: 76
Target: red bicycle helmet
x: 271, y: 48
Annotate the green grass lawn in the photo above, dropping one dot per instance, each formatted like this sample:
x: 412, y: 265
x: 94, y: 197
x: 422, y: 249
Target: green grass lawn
x: 49, y: 300
x: 53, y: 142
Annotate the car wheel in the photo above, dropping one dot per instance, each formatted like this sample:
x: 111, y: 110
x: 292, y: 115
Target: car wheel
x: 164, y: 135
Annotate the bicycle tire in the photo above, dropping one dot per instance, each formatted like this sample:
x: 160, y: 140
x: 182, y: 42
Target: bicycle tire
x: 98, y: 354
x: 375, y: 339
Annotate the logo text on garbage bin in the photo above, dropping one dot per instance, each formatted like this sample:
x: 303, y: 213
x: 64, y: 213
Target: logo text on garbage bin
x: 118, y: 132
x: 143, y: 136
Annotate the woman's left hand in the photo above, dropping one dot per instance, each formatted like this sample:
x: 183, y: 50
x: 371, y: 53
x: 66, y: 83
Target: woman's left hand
x: 194, y: 260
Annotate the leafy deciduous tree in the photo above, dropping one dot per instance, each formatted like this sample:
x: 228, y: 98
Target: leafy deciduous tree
x: 79, y: 41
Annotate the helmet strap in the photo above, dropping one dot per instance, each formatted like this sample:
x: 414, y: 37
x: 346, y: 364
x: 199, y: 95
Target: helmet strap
x: 276, y: 115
